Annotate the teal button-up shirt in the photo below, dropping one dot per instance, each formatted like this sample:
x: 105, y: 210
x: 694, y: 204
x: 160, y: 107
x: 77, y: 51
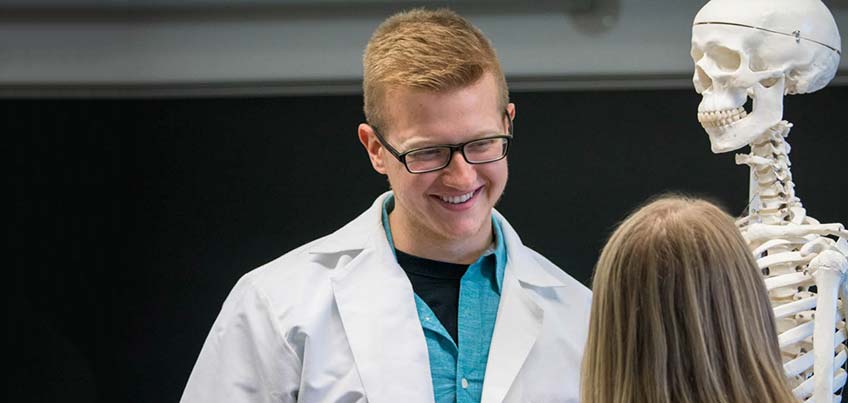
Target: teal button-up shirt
x: 458, y: 369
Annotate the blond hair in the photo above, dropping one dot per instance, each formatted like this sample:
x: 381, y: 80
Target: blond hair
x: 680, y: 313
x: 425, y: 49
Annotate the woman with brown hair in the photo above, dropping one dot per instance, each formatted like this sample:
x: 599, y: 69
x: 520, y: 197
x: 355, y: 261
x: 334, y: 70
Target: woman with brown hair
x: 680, y: 313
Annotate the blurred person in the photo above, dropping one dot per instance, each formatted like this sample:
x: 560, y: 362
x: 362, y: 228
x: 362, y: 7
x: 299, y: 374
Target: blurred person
x: 680, y: 313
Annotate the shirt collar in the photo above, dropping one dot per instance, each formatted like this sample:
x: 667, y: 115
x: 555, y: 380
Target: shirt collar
x: 498, y: 247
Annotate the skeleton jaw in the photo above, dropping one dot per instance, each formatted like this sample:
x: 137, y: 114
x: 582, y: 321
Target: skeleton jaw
x: 731, y: 128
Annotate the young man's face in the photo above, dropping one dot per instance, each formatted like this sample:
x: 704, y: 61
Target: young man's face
x: 424, y: 210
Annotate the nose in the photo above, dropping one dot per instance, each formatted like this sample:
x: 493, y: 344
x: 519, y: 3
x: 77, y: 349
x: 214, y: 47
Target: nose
x: 459, y: 173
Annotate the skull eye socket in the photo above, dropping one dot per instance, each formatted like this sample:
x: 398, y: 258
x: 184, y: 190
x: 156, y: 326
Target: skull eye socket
x: 756, y: 63
x: 725, y: 59
x: 696, y: 53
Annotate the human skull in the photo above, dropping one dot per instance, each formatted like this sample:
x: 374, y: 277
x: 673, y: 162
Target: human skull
x: 760, y: 49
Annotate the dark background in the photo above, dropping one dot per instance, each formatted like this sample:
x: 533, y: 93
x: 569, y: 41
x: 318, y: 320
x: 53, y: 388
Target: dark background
x: 133, y: 218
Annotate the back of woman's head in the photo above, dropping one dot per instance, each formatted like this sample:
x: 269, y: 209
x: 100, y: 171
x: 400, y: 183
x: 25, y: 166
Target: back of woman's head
x: 680, y: 313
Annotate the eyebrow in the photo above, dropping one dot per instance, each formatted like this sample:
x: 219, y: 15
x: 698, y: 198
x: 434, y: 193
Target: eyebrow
x: 416, y: 143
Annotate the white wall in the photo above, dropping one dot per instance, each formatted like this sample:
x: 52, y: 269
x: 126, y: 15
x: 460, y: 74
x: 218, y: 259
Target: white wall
x: 317, y: 49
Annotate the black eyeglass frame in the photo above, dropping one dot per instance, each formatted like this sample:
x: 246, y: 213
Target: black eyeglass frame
x: 401, y: 156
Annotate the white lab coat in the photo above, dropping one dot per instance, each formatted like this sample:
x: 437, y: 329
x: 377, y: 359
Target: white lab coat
x: 335, y: 321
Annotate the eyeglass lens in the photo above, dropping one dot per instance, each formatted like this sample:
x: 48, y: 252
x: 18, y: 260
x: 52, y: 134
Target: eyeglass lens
x: 475, y: 152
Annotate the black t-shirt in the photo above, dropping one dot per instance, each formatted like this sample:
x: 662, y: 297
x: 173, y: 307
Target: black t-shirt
x: 437, y: 283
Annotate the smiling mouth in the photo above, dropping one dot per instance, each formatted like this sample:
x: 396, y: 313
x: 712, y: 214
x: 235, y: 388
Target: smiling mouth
x: 722, y: 118
x: 461, y: 199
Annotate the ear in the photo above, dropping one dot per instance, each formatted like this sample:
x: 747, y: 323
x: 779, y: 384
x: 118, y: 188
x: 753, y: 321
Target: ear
x: 372, y: 147
x: 510, y: 109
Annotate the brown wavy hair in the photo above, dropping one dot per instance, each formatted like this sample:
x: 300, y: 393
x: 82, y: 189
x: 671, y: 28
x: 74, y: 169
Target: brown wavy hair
x: 680, y: 313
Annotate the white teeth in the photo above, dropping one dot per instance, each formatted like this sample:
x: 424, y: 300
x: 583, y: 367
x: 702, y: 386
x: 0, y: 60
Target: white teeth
x: 721, y: 118
x: 457, y: 199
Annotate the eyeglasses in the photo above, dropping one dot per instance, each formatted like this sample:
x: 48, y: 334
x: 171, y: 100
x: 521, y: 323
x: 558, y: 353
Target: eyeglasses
x: 433, y: 158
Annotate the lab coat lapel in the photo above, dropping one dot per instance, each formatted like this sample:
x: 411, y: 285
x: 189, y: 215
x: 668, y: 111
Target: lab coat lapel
x: 377, y: 307
x: 517, y: 327
x: 520, y: 317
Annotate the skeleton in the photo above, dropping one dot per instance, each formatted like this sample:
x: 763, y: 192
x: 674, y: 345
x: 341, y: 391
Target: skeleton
x: 763, y: 50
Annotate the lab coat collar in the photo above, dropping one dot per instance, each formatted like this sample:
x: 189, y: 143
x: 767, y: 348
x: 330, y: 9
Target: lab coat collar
x: 377, y: 307
x: 524, y: 266
x: 379, y: 315
x: 366, y: 232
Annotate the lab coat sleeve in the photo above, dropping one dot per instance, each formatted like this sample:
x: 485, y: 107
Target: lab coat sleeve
x: 246, y: 357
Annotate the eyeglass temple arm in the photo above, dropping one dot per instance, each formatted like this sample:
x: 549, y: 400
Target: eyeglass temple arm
x: 385, y: 143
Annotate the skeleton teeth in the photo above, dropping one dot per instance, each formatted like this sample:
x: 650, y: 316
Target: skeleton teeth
x: 721, y: 118
x: 457, y: 199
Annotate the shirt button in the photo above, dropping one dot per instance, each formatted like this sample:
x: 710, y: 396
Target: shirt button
x: 464, y: 383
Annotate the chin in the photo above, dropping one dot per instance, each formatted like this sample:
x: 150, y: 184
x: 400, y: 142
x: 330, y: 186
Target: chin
x: 462, y: 231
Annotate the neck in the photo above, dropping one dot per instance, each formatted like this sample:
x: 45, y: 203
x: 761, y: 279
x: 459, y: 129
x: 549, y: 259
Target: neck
x: 773, y: 199
x: 420, y: 242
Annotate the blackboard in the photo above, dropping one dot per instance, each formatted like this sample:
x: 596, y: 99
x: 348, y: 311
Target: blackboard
x: 134, y: 217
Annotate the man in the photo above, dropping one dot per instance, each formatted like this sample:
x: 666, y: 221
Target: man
x: 429, y: 295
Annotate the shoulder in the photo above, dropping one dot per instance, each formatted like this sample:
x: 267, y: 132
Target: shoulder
x: 557, y: 289
x: 577, y: 292
x: 305, y: 273
x: 292, y: 266
x: 299, y: 284
x: 536, y: 266
x: 297, y: 278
